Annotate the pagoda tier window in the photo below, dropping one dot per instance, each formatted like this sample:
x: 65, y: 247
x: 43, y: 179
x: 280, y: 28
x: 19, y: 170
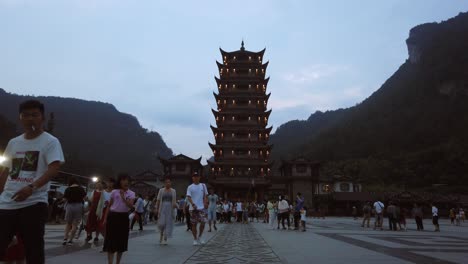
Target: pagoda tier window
x: 250, y: 57
x: 233, y: 135
x: 241, y: 152
x: 242, y: 118
x: 243, y: 102
x: 250, y: 118
x: 233, y: 118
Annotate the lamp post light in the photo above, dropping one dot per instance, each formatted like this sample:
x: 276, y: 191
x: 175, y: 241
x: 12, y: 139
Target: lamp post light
x: 2, y: 159
x: 93, y: 180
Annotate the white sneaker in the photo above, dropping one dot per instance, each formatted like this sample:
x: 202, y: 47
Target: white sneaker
x: 195, y: 243
x: 201, y: 241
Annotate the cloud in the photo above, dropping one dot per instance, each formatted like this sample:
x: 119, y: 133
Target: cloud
x: 313, y: 73
x: 354, y: 92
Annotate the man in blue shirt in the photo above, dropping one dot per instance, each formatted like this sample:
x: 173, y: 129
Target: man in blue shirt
x: 139, y: 210
x: 181, y: 208
x: 297, y: 210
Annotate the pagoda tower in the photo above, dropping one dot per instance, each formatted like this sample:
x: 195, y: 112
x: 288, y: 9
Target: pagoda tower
x: 241, y: 167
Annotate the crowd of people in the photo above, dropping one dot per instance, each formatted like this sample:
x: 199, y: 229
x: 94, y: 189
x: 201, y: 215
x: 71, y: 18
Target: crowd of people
x: 397, y: 215
x: 280, y: 212
x: 34, y: 158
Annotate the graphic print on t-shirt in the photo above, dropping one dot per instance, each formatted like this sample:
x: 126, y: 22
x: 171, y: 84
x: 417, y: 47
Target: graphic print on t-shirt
x: 27, y: 163
x: 30, y: 161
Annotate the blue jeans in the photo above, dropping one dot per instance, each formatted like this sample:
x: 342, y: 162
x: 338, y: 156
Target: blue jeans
x: 211, y: 214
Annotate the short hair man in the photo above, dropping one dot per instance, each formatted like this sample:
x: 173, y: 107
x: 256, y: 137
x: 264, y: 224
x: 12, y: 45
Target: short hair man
x: 197, y: 198
x: 32, y: 160
x: 379, y: 209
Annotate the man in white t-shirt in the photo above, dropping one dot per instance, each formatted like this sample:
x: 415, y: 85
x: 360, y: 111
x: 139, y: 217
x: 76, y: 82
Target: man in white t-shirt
x: 378, y: 207
x: 197, y: 198
x: 31, y: 161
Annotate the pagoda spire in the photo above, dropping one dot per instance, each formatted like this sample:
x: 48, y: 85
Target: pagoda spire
x: 242, y: 45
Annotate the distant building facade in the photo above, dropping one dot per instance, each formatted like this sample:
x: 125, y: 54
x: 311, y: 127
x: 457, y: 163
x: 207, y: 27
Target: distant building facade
x: 180, y: 169
x: 146, y: 183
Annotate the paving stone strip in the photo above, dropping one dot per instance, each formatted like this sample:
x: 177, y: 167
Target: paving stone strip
x: 236, y: 243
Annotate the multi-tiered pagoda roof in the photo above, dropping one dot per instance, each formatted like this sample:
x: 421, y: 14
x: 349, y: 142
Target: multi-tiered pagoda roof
x: 241, y: 150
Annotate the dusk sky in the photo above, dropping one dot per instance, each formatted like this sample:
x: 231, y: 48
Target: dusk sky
x: 156, y: 60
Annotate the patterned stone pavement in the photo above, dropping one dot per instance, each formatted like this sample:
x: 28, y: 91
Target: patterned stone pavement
x: 331, y: 240
x: 415, y: 248
x: 236, y: 243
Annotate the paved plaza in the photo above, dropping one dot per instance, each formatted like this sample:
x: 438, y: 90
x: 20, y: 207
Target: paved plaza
x: 330, y: 240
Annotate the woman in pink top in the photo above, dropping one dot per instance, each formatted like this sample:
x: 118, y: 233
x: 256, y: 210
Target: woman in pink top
x: 116, y: 240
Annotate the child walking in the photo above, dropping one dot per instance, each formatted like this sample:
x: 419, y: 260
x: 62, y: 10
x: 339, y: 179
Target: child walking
x: 303, y: 218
